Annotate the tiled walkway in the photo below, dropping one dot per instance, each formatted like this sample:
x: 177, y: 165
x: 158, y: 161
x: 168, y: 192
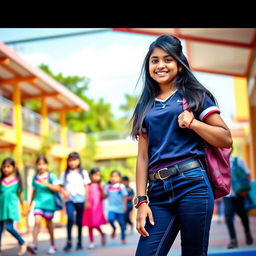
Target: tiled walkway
x: 217, y: 245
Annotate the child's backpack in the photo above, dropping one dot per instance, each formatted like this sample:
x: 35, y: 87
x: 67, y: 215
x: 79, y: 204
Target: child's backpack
x: 239, y: 178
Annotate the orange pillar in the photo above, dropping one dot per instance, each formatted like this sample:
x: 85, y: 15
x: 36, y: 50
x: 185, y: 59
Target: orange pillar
x: 17, y: 151
x: 252, y: 138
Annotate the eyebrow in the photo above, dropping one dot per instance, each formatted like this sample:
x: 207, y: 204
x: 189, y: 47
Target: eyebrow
x: 158, y: 56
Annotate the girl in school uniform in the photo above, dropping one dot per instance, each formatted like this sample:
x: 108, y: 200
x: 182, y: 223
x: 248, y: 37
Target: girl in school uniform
x: 44, y: 184
x: 171, y: 156
x: 74, y: 183
x: 93, y: 216
x: 10, y: 196
x: 116, y: 194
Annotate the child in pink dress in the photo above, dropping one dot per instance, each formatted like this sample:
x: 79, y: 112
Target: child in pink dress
x: 93, y: 215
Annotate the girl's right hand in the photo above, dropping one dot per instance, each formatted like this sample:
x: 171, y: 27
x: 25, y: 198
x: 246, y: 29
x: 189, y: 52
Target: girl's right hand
x: 143, y: 212
x: 65, y: 195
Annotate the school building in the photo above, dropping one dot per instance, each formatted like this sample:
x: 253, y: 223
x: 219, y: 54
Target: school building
x: 21, y: 129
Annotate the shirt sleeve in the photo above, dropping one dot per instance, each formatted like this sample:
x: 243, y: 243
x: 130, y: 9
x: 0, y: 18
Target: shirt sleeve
x: 106, y: 189
x: 124, y: 190
x: 242, y: 164
x: 209, y: 107
x: 62, y: 177
x: 54, y: 179
x: 87, y: 179
x: 33, y: 182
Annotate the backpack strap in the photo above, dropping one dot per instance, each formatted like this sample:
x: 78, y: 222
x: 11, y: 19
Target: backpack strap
x: 184, y: 104
x: 49, y: 177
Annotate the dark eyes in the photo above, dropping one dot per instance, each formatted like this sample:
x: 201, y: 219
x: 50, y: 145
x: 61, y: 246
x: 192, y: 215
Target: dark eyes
x: 167, y: 60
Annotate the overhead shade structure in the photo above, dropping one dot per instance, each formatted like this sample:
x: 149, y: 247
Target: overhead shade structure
x: 35, y: 83
x: 225, y: 51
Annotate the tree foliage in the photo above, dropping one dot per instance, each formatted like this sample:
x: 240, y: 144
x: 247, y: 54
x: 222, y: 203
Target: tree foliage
x: 98, y: 118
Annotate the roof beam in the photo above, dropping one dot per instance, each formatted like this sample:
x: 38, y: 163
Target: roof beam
x: 214, y: 41
x: 4, y: 60
x: 77, y: 109
x: 37, y: 96
x: 30, y: 79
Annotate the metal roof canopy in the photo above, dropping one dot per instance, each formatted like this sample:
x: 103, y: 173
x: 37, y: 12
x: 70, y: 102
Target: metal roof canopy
x: 224, y: 51
x: 34, y: 83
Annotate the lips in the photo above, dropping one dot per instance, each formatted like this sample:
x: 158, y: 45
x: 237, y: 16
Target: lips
x: 161, y: 73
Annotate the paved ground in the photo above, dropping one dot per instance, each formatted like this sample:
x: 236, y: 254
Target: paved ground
x: 218, y: 241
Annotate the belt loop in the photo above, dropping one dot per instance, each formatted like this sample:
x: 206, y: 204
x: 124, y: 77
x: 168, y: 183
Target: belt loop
x: 177, y: 169
x: 200, y: 162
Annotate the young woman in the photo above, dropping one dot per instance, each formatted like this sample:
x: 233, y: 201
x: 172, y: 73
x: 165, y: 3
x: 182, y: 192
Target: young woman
x: 44, y: 184
x: 10, y: 196
x: 93, y: 216
x: 74, y: 183
x: 170, y: 153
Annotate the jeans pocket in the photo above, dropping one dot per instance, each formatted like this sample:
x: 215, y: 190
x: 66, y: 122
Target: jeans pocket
x: 151, y: 185
x: 193, y: 174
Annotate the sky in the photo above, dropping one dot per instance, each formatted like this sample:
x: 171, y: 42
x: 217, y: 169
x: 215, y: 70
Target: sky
x: 111, y: 60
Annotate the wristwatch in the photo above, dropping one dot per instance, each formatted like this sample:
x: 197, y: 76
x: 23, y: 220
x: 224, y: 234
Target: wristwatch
x: 138, y: 200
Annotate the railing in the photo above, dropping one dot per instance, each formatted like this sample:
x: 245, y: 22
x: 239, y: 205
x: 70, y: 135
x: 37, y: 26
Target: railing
x: 31, y: 121
x: 55, y: 131
x: 6, y: 111
x: 111, y: 135
x: 70, y: 141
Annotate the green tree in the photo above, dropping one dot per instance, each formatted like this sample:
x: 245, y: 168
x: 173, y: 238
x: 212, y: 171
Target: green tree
x: 128, y: 108
x: 98, y: 118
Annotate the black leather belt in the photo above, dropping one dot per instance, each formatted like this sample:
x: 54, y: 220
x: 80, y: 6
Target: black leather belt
x: 173, y: 170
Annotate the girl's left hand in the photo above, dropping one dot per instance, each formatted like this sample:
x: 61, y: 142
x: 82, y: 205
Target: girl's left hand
x: 86, y: 205
x: 185, y: 119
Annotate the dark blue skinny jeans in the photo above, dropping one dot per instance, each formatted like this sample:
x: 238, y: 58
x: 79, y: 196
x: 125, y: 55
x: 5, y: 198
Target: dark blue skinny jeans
x: 235, y: 205
x: 71, y: 209
x: 183, y: 203
x: 9, y: 227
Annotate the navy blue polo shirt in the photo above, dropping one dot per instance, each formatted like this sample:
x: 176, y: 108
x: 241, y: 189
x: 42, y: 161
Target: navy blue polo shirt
x: 167, y: 142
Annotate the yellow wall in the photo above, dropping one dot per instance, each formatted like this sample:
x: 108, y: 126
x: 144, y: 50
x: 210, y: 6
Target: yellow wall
x: 241, y: 99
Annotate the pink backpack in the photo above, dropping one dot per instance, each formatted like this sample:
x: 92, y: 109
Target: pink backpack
x: 218, y: 167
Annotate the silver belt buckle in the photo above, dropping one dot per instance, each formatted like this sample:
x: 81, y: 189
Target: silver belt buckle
x: 158, y: 172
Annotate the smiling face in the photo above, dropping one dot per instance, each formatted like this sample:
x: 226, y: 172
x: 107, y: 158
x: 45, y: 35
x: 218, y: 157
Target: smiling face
x: 115, y: 178
x: 96, y: 177
x: 8, y: 169
x: 41, y: 166
x: 73, y: 163
x: 163, y: 68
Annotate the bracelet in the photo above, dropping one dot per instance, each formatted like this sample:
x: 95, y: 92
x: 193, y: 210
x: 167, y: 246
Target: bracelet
x: 191, y: 122
x: 138, y: 205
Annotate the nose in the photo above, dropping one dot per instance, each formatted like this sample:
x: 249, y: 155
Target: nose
x: 161, y: 64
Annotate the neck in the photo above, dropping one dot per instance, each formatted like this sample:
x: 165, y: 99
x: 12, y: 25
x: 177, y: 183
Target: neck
x: 41, y: 173
x: 167, y: 88
x: 9, y: 176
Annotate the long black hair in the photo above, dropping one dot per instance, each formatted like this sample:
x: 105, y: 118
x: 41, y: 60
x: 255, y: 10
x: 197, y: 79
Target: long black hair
x: 186, y: 83
x: 73, y: 155
x: 41, y: 157
x: 10, y: 161
x: 93, y: 171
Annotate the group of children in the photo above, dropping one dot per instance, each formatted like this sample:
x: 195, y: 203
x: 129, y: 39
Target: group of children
x: 83, y: 195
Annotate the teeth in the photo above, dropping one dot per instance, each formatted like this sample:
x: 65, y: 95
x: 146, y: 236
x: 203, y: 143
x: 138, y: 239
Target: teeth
x: 161, y: 73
